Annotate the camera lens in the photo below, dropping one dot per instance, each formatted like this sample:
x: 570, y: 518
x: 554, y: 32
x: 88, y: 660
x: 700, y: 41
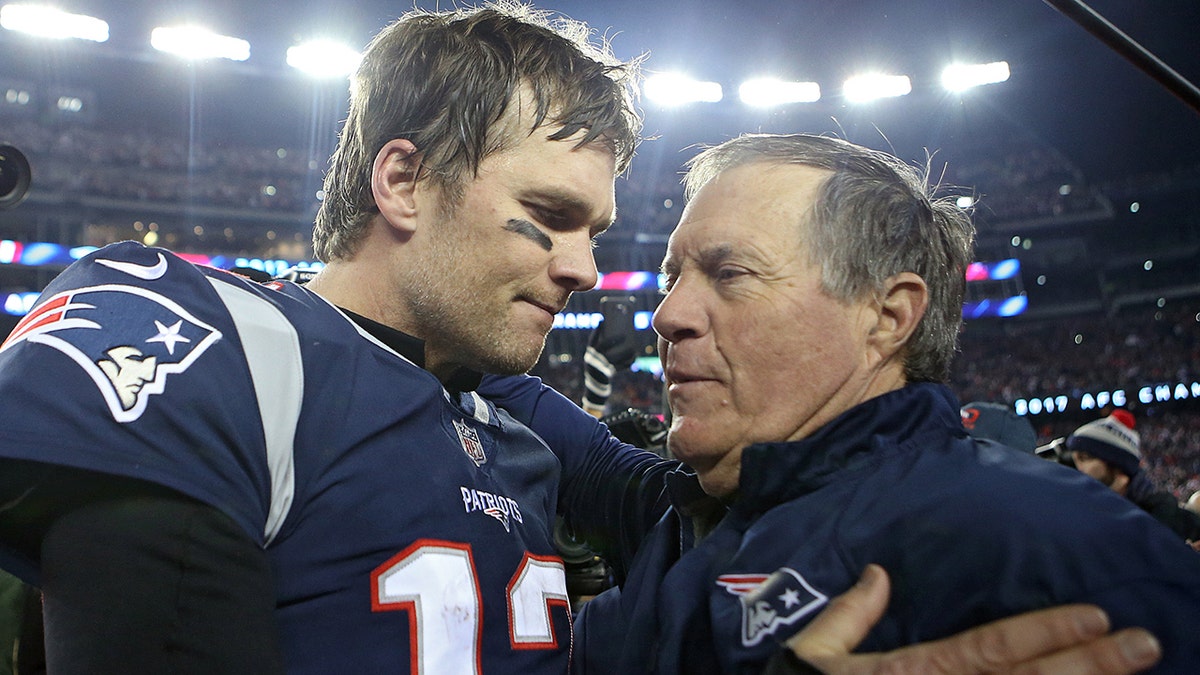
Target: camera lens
x: 14, y: 176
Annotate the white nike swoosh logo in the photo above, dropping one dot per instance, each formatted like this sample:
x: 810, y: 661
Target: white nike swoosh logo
x: 147, y: 272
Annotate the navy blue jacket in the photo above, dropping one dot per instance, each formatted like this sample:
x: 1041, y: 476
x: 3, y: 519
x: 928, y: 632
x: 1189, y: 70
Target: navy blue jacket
x: 969, y: 531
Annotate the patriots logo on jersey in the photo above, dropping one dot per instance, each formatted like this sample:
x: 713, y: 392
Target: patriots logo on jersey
x: 769, y: 602
x: 498, y: 515
x: 469, y: 438
x: 502, y: 508
x: 128, y: 359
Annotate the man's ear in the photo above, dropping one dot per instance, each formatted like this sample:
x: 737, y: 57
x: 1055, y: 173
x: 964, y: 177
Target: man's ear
x: 394, y: 182
x: 901, y: 307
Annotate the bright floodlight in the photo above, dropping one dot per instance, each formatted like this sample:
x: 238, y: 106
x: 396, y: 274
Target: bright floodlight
x: 52, y: 23
x: 323, y: 58
x: 962, y: 76
x: 767, y: 91
x: 193, y: 42
x: 671, y: 89
x: 864, y: 88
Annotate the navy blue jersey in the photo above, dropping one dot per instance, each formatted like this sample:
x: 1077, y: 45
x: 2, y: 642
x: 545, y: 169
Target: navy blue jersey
x: 611, y: 492
x: 408, y: 527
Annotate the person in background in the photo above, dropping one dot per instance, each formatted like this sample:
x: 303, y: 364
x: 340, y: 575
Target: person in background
x: 611, y: 347
x: 998, y: 422
x: 1109, y: 450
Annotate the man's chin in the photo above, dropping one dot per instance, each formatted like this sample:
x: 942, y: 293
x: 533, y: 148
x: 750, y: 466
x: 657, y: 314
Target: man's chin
x: 507, y: 369
x: 512, y: 363
x: 718, y: 484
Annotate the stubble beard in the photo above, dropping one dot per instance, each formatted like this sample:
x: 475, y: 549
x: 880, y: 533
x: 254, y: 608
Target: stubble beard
x: 467, y: 326
x: 482, y: 343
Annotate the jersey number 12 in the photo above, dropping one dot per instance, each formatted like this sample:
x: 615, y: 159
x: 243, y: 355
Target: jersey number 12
x: 435, y: 582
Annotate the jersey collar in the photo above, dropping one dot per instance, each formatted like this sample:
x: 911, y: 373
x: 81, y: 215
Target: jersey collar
x: 413, y: 349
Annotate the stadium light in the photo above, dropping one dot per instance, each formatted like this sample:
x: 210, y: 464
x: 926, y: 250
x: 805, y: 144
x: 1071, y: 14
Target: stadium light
x: 51, y: 22
x: 193, y: 42
x: 323, y: 58
x: 963, y: 76
x: 69, y: 104
x: 863, y: 88
x: 672, y: 89
x: 765, y: 92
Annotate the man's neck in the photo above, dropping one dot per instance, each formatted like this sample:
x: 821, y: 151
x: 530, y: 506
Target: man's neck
x: 348, y: 285
x: 359, y: 287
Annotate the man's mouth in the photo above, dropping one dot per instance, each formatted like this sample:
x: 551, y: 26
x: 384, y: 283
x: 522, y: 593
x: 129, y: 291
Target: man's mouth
x: 551, y: 309
x: 680, y: 376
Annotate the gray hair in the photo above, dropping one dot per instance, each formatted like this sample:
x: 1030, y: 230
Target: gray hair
x: 446, y: 81
x: 874, y: 217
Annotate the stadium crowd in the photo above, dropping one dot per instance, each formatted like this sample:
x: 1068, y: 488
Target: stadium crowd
x: 140, y: 165
x: 1134, y: 348
x: 1025, y: 181
x: 1028, y: 180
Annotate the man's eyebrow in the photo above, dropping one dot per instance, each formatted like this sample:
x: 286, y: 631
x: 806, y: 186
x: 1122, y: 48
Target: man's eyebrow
x: 706, y: 259
x: 530, y: 231
x: 714, y: 255
x: 569, y: 203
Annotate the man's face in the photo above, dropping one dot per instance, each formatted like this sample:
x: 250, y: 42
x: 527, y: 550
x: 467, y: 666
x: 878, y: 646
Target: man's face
x: 1094, y: 467
x: 506, y: 259
x: 753, y: 349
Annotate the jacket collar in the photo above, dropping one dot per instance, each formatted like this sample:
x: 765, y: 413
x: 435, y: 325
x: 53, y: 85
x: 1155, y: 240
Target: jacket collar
x: 773, y: 473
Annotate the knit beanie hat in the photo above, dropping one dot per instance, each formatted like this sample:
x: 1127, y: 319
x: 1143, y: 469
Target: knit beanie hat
x: 1111, y: 439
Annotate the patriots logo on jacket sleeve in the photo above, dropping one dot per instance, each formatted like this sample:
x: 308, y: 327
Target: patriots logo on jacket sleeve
x: 769, y: 602
x: 127, y: 339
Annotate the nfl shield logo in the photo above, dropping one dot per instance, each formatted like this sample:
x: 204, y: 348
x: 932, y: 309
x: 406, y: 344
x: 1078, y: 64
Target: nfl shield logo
x: 470, y: 442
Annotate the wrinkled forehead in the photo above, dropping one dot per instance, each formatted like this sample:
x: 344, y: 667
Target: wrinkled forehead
x: 751, y: 202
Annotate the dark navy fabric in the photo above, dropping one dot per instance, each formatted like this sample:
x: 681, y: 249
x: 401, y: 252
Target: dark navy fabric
x: 611, y: 493
x: 969, y: 532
